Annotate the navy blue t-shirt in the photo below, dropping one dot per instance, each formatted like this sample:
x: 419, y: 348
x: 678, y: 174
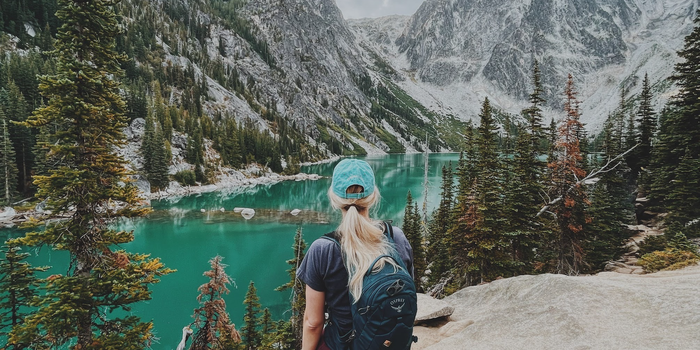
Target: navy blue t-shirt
x: 322, y: 269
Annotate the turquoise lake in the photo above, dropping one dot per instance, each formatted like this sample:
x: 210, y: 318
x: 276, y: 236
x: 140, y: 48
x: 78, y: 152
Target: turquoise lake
x: 185, y: 238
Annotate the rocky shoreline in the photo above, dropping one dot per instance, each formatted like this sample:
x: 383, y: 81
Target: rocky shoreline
x: 226, y: 182
x: 230, y: 179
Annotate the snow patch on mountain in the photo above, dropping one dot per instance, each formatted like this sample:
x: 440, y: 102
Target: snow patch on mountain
x: 451, y: 54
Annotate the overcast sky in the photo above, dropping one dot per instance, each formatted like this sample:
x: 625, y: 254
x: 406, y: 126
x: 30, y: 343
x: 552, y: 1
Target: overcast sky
x: 377, y: 8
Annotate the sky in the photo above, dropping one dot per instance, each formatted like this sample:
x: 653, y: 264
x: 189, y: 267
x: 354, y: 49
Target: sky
x: 377, y: 8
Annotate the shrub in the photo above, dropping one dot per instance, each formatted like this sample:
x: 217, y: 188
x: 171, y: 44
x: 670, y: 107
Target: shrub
x: 668, y: 259
x: 186, y: 177
x: 651, y: 244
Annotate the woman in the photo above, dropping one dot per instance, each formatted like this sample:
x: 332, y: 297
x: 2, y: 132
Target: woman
x: 326, y: 265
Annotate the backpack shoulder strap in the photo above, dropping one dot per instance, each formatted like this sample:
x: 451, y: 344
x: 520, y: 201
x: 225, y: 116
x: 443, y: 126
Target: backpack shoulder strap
x: 331, y: 236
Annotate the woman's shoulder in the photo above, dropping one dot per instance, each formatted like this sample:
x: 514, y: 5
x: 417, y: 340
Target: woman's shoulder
x: 321, y: 245
x: 398, y: 232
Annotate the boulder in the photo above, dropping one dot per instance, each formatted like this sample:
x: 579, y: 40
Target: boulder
x: 247, y: 213
x: 430, y: 308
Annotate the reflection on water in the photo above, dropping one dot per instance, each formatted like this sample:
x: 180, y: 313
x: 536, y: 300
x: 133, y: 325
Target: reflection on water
x: 180, y: 216
x: 185, y: 238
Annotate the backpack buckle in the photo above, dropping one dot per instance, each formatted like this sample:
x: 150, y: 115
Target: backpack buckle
x: 395, y: 288
x: 350, y: 336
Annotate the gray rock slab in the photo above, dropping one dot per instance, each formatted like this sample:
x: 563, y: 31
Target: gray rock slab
x: 430, y: 308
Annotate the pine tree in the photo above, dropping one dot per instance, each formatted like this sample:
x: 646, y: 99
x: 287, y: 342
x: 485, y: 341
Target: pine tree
x: 442, y: 217
x: 8, y: 168
x: 298, y: 297
x: 646, y: 120
x: 161, y: 161
x: 411, y: 228
x: 268, y: 330
x: 17, y: 111
x: 477, y: 238
x: 156, y: 159
x: 677, y: 152
x: 19, y: 285
x: 684, y: 211
x: 85, y: 104
x: 215, y: 330
x: 523, y: 199
x: 569, y: 195
x: 42, y: 162
x: 610, y: 206
x: 534, y: 112
x: 252, y: 338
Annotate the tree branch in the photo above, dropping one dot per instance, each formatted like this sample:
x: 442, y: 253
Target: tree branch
x: 588, y: 179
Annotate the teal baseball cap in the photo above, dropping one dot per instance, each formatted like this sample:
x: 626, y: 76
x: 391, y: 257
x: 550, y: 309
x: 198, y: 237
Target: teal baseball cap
x: 351, y: 172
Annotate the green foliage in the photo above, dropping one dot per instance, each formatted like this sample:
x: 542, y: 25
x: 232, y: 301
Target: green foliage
x: 156, y: 158
x: 676, y: 154
x: 89, y: 177
x: 252, y: 338
x: 8, y: 168
x: 19, y: 285
x: 441, y: 222
x: 298, y: 297
x: 16, y: 111
x: 610, y: 205
x: 39, y: 13
x: 185, y: 177
x: 668, y: 259
x: 411, y: 228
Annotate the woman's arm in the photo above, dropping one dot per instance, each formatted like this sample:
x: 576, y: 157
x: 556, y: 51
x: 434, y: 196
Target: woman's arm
x: 313, y: 319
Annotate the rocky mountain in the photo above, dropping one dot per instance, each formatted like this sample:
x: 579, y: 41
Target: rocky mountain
x: 456, y: 52
x: 320, y: 85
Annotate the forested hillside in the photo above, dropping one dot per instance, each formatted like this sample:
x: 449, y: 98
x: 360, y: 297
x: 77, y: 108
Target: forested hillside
x: 210, y: 73
x: 513, y: 211
x: 234, y: 83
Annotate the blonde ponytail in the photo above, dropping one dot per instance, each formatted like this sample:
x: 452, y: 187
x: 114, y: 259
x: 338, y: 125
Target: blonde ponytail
x: 361, y: 239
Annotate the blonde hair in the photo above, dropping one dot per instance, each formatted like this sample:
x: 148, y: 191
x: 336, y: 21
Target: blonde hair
x: 361, y: 239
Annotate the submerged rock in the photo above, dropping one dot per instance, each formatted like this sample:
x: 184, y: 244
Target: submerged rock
x: 247, y: 213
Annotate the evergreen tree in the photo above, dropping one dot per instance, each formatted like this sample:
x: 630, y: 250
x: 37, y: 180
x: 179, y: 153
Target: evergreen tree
x: 215, y: 330
x: 610, y: 206
x: 19, y: 285
x: 534, y: 112
x: 42, y: 162
x: 441, y: 223
x: 161, y: 161
x: 677, y: 152
x: 148, y: 143
x: 298, y: 288
x: 250, y: 333
x: 523, y: 199
x: 17, y: 111
x: 268, y: 330
x: 85, y: 104
x: 646, y: 120
x: 568, y: 193
x: 479, y: 242
x: 8, y: 168
x: 684, y: 211
x: 156, y: 158
x: 411, y: 228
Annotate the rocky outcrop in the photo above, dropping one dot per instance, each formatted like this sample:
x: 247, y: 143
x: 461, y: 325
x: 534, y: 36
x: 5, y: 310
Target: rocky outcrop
x: 606, y: 311
x: 430, y: 308
x: 456, y: 52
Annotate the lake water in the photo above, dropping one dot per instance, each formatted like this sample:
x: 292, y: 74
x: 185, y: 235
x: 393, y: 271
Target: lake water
x: 185, y: 238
